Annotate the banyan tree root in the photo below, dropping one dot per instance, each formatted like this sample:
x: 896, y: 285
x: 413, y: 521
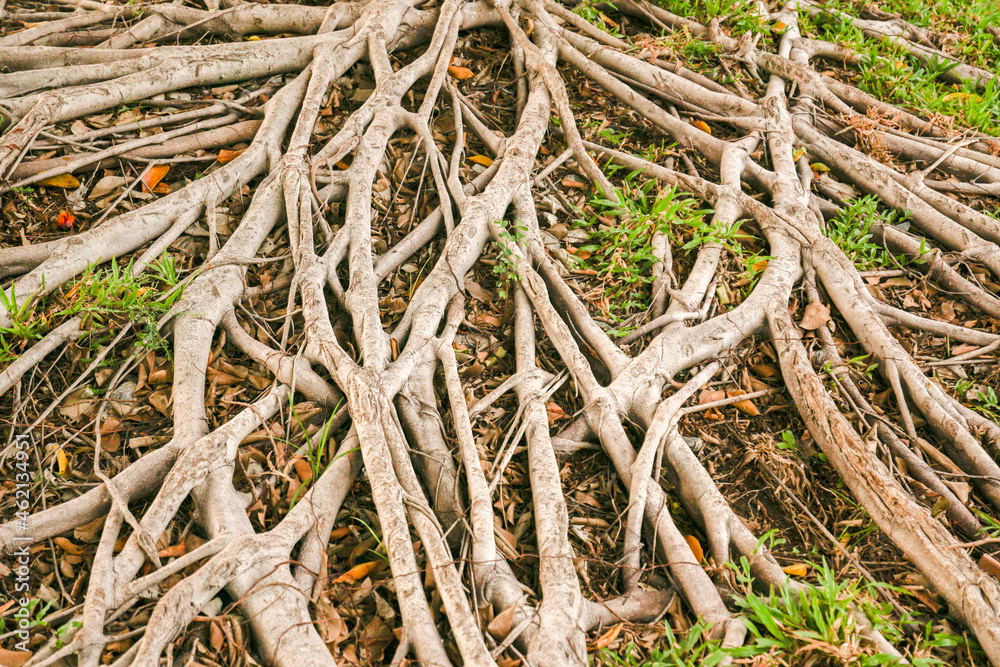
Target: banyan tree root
x: 428, y: 477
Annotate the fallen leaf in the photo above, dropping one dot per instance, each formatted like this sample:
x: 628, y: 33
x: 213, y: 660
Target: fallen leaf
x: 502, y: 623
x: 68, y: 546
x: 990, y: 565
x: 819, y: 167
x: 228, y: 155
x: 356, y: 573
x: 604, y: 640
x: 699, y: 553
x: 62, y: 461
x: 66, y: 220
x: 173, y: 551
x: 106, y: 186
x: 61, y: 181
x: 554, y: 412
x: 746, y: 407
x: 481, y: 159
x: 703, y: 126
x: 153, y: 177
x: 796, y: 570
x: 332, y: 628
x: 303, y: 470
x: 14, y: 658
x: 460, y: 73
x: 375, y: 638
x: 815, y: 316
x: 570, y: 183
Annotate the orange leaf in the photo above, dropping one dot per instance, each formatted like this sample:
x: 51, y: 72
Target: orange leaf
x: 481, y: 159
x: 460, y: 73
x: 152, y: 177
x: 570, y: 183
x: 228, y: 155
x: 604, y: 640
x: 178, y: 549
x: 796, y: 570
x: 61, y: 181
x: 65, y: 220
x: 356, y: 573
x: 68, y: 546
x: 696, y: 549
x: 702, y: 125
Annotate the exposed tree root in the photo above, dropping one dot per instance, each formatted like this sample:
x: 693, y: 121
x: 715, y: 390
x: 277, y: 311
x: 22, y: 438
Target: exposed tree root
x: 374, y: 377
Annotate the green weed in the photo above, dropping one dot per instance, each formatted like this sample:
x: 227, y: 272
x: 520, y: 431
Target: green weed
x: 622, y: 254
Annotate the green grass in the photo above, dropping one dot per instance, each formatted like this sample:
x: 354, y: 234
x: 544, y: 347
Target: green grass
x: 851, y: 231
x: 104, y: 297
x: 814, y: 626
x: 622, y: 253
x: 888, y: 73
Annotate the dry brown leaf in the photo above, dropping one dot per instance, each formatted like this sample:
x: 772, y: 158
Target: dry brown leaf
x: 160, y: 400
x: 106, y: 186
x: 331, y: 626
x: 990, y: 565
x: 502, y: 623
x: 375, y: 638
x: 14, y: 658
x: 303, y: 470
x: 815, y: 316
x: 554, y: 412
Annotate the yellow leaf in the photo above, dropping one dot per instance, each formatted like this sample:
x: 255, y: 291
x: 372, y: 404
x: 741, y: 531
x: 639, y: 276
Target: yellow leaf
x: 746, y: 407
x: 696, y: 549
x: 797, y: 153
x: 797, y: 570
x: 62, y: 460
x: 61, y: 181
x: 253, y: 38
x: 703, y: 126
x: 481, y: 159
x: 460, y: 73
x: 356, y: 573
x: 819, y: 166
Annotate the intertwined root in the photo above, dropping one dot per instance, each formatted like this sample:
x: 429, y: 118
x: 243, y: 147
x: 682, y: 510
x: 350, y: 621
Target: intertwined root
x: 381, y: 383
